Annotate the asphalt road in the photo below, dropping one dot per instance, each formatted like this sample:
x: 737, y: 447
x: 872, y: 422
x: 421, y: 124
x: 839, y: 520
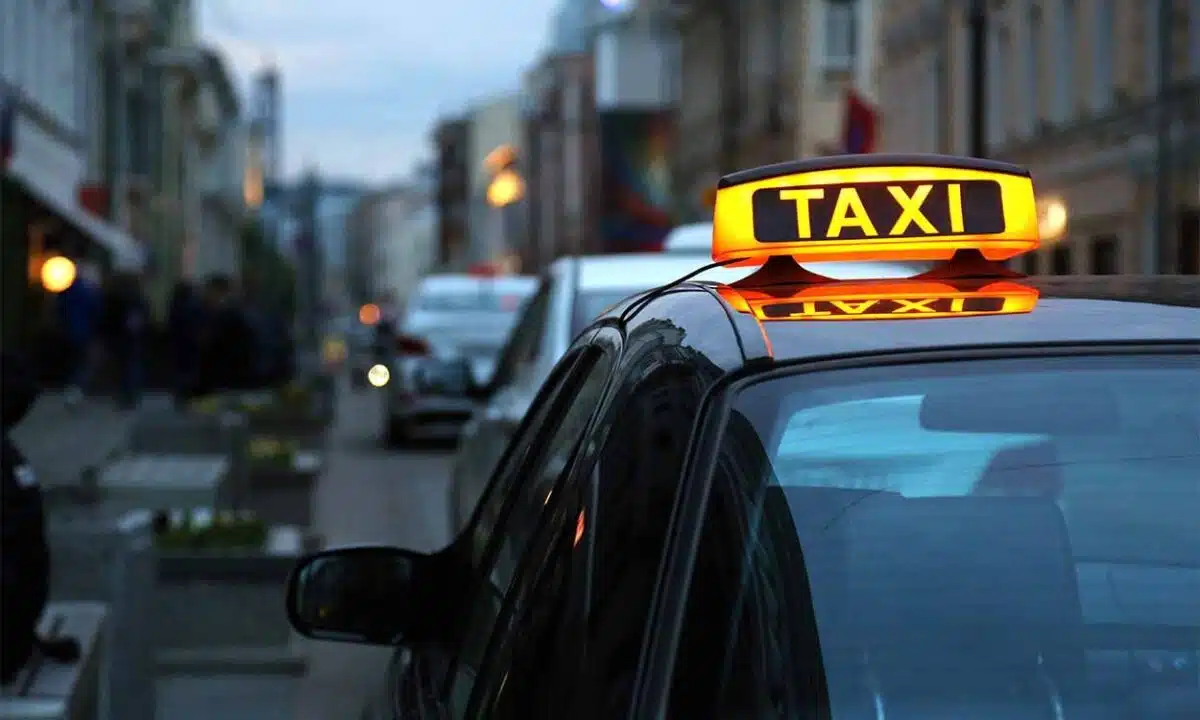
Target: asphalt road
x: 368, y: 495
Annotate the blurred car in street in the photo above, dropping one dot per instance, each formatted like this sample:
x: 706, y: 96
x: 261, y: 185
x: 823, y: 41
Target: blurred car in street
x: 573, y: 292
x: 448, y: 342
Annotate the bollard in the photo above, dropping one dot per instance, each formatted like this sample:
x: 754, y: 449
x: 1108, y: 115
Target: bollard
x: 101, y: 558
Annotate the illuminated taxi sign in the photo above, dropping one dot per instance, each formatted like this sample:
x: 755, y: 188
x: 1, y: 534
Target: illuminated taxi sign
x: 875, y: 207
x: 886, y: 300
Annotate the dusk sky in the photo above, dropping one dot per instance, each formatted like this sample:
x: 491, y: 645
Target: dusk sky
x: 364, y: 80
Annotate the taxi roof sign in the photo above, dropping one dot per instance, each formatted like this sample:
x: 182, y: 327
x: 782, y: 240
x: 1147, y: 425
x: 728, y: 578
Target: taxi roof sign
x: 875, y: 207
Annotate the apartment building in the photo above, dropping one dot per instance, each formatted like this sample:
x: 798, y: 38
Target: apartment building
x: 838, y: 54
x: 1071, y: 93
x: 451, y: 138
x: 737, y: 100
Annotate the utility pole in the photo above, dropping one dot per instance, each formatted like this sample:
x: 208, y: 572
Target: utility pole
x: 307, y: 295
x: 1161, y: 226
x: 977, y: 33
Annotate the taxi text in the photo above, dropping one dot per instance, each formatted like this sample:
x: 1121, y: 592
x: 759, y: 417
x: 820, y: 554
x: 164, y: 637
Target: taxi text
x: 890, y: 308
x: 878, y: 210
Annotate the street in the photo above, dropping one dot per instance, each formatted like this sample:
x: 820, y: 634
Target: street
x: 368, y: 495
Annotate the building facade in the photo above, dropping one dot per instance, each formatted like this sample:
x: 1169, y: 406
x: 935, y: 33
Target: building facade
x: 48, y: 106
x: 1072, y: 93
x: 493, y: 125
x: 838, y: 53
x: 451, y: 138
x: 220, y: 139
x: 563, y: 160
x: 738, y: 77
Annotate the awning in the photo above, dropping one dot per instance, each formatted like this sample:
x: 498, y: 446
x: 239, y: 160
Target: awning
x: 127, y: 253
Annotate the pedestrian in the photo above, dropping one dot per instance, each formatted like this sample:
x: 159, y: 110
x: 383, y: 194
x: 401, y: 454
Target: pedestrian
x: 79, y: 315
x: 184, y: 325
x: 228, y: 345
x: 126, y: 328
x: 24, y: 552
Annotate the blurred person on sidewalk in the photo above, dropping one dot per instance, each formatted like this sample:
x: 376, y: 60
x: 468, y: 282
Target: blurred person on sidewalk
x: 24, y: 552
x: 126, y: 326
x: 185, y: 322
x: 79, y: 315
x: 228, y: 346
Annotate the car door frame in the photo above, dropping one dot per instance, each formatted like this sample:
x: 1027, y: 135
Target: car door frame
x: 607, y: 339
x: 571, y: 370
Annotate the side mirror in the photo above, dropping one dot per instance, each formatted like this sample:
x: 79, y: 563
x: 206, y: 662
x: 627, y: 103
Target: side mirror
x: 366, y: 595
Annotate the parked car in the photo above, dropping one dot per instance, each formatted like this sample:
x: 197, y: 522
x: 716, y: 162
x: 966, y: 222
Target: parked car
x: 452, y: 332
x: 573, y: 291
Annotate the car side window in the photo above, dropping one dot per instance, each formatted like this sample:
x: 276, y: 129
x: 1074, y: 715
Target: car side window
x: 570, y: 636
x: 548, y: 445
x: 525, y: 340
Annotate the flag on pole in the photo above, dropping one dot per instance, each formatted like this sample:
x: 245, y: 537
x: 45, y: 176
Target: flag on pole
x: 858, y: 131
x: 8, y: 124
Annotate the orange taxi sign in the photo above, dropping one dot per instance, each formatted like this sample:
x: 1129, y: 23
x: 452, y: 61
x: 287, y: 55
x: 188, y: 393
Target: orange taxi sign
x: 875, y: 207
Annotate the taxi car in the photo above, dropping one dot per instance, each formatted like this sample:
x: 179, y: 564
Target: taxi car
x: 789, y: 497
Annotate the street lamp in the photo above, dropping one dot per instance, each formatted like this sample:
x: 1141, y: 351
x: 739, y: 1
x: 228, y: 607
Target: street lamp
x: 1052, y: 219
x: 506, y: 188
x: 58, y: 273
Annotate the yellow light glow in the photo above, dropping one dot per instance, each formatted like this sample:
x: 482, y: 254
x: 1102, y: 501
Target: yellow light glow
x: 369, y: 314
x: 893, y: 209
x: 58, y: 273
x: 500, y: 158
x: 505, y: 189
x: 378, y: 375
x: 886, y: 300
x: 1052, y: 219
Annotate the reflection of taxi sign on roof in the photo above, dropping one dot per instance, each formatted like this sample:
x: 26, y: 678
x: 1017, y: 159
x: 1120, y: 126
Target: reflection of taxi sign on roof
x: 971, y: 214
x: 876, y: 207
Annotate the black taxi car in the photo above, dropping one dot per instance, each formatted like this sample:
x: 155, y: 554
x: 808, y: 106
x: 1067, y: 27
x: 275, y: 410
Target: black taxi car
x: 790, y: 497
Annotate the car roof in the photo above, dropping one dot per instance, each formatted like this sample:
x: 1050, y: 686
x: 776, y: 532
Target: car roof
x: 453, y: 283
x: 1054, y: 320
x: 635, y: 272
x: 1079, y: 321
x: 692, y: 237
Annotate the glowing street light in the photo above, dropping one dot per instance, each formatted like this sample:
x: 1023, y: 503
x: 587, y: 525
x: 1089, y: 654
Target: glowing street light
x: 58, y: 274
x: 505, y: 189
x: 1052, y: 219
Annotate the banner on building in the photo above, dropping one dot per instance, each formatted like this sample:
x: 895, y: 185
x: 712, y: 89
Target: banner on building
x: 636, y: 180
x: 859, y: 126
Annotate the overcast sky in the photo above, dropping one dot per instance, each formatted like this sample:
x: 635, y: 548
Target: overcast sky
x: 364, y: 80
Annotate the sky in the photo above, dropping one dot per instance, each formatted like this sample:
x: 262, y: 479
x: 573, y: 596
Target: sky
x: 365, y: 80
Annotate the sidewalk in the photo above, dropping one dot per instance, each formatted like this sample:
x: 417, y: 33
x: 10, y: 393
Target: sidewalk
x: 61, y: 442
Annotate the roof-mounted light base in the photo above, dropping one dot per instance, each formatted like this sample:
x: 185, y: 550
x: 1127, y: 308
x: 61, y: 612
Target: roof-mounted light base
x: 970, y: 265
x: 781, y: 270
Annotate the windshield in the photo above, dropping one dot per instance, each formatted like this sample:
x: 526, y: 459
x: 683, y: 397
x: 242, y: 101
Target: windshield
x: 981, y: 539
x: 591, y: 304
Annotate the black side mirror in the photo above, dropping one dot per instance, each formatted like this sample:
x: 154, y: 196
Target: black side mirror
x: 366, y: 595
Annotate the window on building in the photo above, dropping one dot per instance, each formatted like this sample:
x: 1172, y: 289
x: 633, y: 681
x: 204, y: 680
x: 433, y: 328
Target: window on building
x: 1060, y: 260
x: 1189, y: 242
x: 841, y: 34
x: 1104, y: 255
x: 1103, y: 47
x: 1034, y: 41
x: 1064, y: 96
